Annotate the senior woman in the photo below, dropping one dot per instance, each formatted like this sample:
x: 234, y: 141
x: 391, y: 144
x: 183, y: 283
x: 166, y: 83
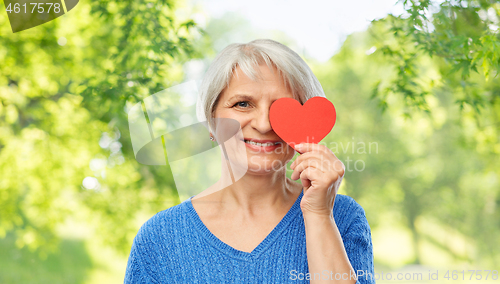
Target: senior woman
x: 262, y: 227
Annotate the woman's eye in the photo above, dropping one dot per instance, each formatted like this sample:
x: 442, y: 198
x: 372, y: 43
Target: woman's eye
x: 241, y: 104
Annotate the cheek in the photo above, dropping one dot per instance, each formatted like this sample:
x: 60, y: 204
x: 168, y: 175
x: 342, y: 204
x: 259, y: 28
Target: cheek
x: 286, y: 154
x: 290, y: 151
x: 242, y: 118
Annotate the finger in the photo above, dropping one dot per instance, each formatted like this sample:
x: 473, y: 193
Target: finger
x: 305, y: 183
x: 328, y: 162
x: 304, y: 157
x: 308, y: 147
x: 338, y: 167
x: 311, y: 162
x: 308, y: 175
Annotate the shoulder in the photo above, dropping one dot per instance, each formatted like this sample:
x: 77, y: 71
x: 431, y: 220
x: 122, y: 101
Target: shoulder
x: 162, y: 224
x: 153, y: 244
x: 347, y: 211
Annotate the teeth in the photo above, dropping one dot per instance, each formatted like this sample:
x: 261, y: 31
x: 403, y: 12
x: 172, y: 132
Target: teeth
x: 261, y: 144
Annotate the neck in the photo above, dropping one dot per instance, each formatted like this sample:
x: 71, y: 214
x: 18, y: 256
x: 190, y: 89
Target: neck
x: 256, y: 191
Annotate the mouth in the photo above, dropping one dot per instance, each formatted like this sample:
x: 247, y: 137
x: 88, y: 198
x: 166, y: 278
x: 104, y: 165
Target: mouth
x: 262, y: 143
x: 258, y: 144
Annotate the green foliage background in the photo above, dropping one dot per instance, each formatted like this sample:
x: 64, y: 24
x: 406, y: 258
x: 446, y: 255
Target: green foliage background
x: 422, y: 87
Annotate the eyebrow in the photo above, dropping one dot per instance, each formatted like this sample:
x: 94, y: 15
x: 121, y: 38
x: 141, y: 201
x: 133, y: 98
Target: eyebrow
x: 242, y: 97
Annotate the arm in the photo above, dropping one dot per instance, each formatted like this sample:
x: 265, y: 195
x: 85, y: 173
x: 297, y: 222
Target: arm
x: 336, y: 258
x: 135, y: 272
x: 141, y: 265
x: 327, y: 258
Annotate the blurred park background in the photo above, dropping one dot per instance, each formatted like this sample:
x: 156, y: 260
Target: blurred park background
x: 418, y: 81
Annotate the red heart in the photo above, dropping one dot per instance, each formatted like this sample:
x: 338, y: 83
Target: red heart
x: 308, y: 123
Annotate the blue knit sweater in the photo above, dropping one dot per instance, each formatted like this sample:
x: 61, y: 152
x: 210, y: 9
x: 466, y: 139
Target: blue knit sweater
x: 175, y: 246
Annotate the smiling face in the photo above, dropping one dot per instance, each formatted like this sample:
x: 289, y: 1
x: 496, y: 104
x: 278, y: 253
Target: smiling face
x: 248, y: 102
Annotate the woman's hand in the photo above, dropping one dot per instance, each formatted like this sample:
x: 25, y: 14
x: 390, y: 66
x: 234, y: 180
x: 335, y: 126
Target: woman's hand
x: 321, y: 174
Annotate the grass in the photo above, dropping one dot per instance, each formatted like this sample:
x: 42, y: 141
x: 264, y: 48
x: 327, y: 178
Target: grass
x: 70, y: 264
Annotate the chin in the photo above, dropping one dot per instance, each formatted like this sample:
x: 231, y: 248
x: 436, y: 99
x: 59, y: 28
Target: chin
x: 258, y: 164
x: 260, y: 171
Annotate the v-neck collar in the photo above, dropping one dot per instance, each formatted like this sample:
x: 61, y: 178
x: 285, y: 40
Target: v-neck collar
x: 229, y: 250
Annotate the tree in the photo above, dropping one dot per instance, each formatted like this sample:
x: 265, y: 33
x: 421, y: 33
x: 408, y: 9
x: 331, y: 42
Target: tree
x: 64, y: 89
x: 462, y: 35
x: 436, y: 166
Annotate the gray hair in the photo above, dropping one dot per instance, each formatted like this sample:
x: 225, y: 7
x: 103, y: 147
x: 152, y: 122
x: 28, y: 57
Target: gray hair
x: 295, y: 72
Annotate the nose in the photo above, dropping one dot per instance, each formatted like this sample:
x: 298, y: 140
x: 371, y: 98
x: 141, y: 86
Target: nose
x: 261, y: 121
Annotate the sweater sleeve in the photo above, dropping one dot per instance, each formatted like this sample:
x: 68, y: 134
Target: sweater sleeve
x: 134, y: 273
x: 358, y: 245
